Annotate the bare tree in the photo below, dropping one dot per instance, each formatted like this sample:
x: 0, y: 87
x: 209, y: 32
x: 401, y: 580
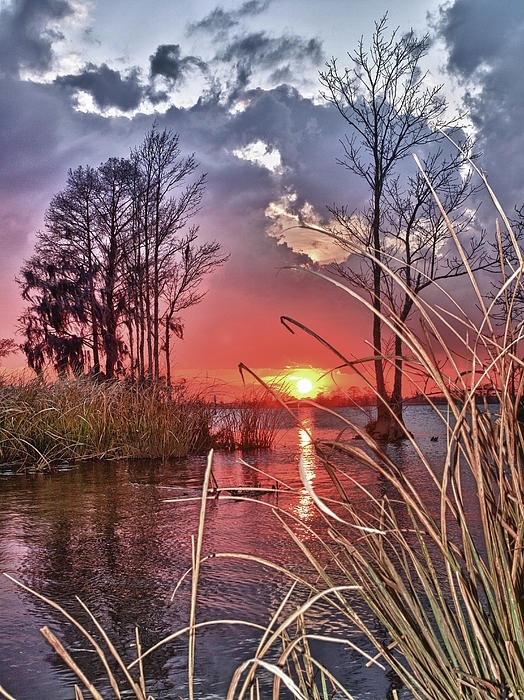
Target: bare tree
x: 71, y: 224
x: 183, y: 288
x: 171, y: 195
x: 392, y: 114
x: 114, y: 207
x: 114, y: 267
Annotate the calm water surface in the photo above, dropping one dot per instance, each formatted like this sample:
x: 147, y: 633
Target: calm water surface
x: 115, y: 535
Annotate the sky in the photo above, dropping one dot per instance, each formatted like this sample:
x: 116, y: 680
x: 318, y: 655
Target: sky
x: 82, y: 81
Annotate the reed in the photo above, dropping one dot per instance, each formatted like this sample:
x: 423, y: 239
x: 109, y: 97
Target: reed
x: 446, y: 589
x: 445, y: 583
x: 250, y: 424
x: 42, y: 425
x: 282, y: 652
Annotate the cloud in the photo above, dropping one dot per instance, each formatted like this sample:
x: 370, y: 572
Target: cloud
x: 284, y: 143
x: 300, y: 228
x: 244, y: 56
x: 485, y: 45
x: 281, y: 57
x: 107, y: 87
x: 168, y: 63
x: 260, y: 153
x: 219, y: 21
x: 28, y: 30
x: 478, y: 33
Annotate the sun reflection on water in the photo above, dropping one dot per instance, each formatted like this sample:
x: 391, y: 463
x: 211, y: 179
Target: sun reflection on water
x: 305, y: 508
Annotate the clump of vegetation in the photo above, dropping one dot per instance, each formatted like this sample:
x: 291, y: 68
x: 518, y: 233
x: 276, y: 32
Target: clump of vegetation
x: 250, y: 424
x: 439, y: 564
x: 118, y: 265
x: 42, y: 425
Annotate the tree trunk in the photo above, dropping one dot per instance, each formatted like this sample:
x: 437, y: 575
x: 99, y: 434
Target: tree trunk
x: 167, y: 351
x: 389, y: 425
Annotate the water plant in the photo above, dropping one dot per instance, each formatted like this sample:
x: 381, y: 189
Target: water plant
x: 440, y: 568
x: 249, y: 424
x: 42, y: 425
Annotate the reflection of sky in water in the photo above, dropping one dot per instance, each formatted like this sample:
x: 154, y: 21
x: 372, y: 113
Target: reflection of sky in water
x: 106, y: 533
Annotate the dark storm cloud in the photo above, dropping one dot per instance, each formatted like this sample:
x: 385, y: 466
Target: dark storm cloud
x: 282, y: 57
x: 168, y: 62
x: 479, y: 32
x: 262, y: 51
x: 485, y: 42
x: 107, y: 86
x: 219, y: 21
x: 25, y: 38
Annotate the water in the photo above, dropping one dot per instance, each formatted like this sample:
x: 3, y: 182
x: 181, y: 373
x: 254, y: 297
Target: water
x: 116, y: 536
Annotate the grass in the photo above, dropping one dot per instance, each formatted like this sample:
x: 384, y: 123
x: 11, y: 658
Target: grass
x: 280, y: 653
x: 449, y: 592
x: 250, y: 424
x: 42, y: 425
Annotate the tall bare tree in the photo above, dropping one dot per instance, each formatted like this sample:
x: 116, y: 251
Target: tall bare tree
x: 183, y: 288
x: 71, y: 223
x: 171, y: 195
x: 392, y: 114
x: 114, y: 207
x: 117, y: 264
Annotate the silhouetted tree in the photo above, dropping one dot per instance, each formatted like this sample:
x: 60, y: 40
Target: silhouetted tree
x: 53, y: 323
x: 183, y: 288
x: 71, y: 226
x: 392, y: 114
x: 170, y: 195
x: 114, y: 265
x: 113, y: 205
x: 7, y: 347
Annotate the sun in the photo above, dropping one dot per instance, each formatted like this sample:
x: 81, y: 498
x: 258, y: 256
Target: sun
x: 300, y: 382
x: 304, y: 385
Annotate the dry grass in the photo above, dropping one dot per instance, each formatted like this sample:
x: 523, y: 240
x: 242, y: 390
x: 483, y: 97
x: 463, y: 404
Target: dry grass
x: 445, y: 582
x: 250, y: 424
x: 42, y: 425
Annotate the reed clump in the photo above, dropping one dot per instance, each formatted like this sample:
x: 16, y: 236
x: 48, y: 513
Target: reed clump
x: 440, y: 569
x: 250, y: 424
x: 42, y: 425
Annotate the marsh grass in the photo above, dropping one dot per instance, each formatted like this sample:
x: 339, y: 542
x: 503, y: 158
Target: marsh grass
x: 282, y: 653
x: 250, y: 424
x: 445, y: 588
x: 443, y: 575
x: 42, y: 425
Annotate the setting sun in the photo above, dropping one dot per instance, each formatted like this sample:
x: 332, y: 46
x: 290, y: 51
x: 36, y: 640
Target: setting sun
x: 301, y: 382
x: 304, y: 385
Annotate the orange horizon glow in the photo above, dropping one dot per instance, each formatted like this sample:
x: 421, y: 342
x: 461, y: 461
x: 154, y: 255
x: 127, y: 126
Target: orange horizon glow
x: 228, y: 385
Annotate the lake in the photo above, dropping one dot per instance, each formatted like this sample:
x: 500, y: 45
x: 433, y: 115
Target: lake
x: 118, y: 535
